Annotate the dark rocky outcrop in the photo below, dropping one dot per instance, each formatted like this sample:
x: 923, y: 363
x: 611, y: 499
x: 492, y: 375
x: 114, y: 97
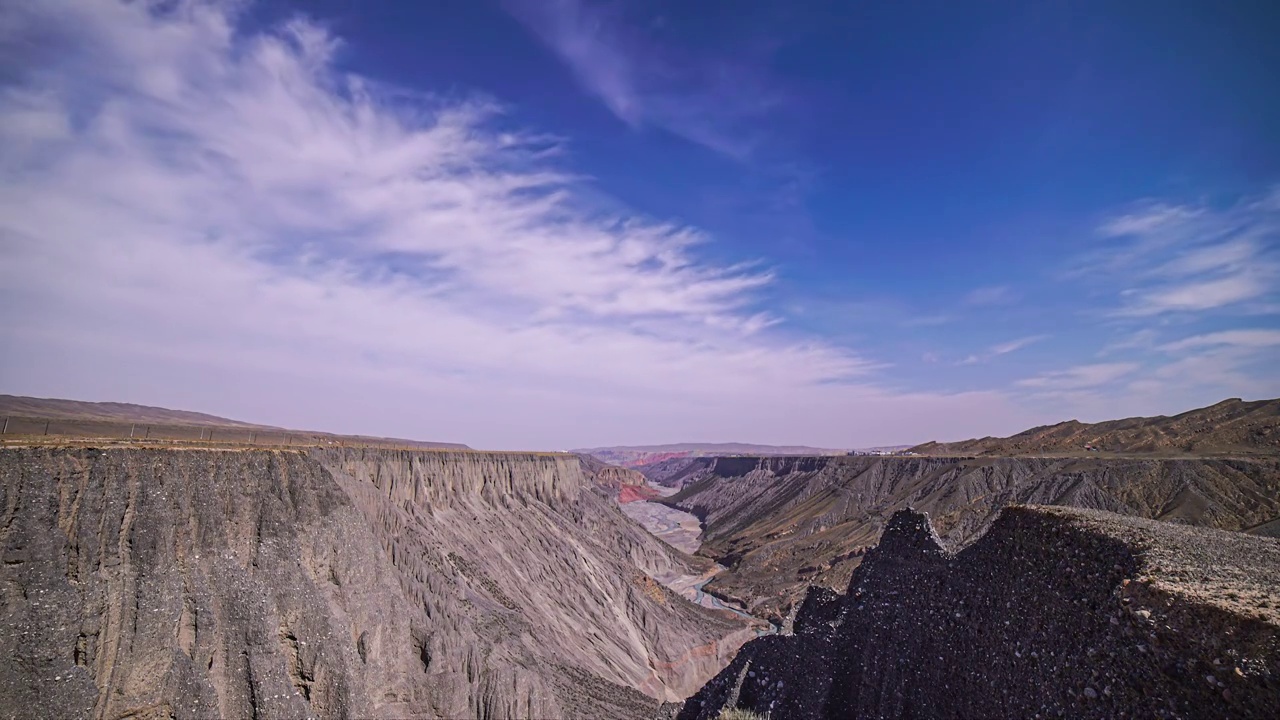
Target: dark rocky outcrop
x: 196, y: 583
x: 1054, y: 612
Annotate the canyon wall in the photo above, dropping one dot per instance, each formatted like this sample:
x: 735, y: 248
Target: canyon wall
x: 783, y: 523
x: 335, y: 582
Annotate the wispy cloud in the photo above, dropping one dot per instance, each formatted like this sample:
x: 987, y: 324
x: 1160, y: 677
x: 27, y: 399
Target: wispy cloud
x: 1251, y: 338
x: 1012, y: 345
x: 1144, y: 339
x: 1161, y: 271
x: 1079, y: 377
x: 1191, y: 259
x: 1003, y: 348
x: 1177, y: 375
x: 710, y: 101
x: 1148, y: 218
x: 1242, y: 360
x: 196, y: 214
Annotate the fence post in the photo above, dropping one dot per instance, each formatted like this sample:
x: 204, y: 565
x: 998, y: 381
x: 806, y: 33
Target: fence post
x: 46, y: 427
x: 6, y: 425
x: 131, y: 429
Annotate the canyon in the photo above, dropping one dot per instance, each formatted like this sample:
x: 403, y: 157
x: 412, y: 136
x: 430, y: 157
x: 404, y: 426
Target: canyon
x: 351, y: 582
x: 213, y: 568
x: 781, y: 524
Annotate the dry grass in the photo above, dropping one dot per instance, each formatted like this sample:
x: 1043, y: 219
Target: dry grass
x: 651, y: 588
x: 740, y: 714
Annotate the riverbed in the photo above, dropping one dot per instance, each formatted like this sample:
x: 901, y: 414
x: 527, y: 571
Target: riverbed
x: 683, y: 531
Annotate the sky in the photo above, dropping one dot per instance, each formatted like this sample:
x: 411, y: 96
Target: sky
x: 548, y: 224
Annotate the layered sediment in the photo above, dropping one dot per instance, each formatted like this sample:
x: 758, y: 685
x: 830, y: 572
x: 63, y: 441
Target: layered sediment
x: 336, y: 583
x: 781, y: 524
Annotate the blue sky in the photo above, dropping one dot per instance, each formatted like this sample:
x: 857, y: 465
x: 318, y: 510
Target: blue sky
x: 568, y: 223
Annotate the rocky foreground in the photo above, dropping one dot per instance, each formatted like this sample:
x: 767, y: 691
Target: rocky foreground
x: 1054, y: 612
x: 360, y: 583
x: 193, y: 582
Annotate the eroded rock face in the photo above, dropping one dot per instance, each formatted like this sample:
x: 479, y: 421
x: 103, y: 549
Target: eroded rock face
x: 782, y: 524
x: 1055, y: 612
x: 334, y: 583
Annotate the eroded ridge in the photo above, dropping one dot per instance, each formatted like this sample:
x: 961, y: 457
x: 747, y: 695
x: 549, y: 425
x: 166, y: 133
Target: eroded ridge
x: 334, y: 583
x: 1053, y: 612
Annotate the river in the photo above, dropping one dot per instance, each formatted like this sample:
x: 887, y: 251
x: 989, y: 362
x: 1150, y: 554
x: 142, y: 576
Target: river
x: 683, y: 531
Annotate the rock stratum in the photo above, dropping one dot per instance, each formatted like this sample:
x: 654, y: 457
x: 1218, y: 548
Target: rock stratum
x: 623, y: 484
x: 636, y: 456
x: 335, y: 582
x: 781, y: 524
x: 1054, y: 612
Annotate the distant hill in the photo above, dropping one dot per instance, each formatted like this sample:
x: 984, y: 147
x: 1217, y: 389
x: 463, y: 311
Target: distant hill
x: 1231, y: 426
x: 637, y: 455
x: 25, y: 418
x: 18, y: 406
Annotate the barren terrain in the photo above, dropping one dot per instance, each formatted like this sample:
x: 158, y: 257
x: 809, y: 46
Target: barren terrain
x: 1054, y: 612
x: 336, y: 582
x: 1231, y: 427
x: 782, y: 524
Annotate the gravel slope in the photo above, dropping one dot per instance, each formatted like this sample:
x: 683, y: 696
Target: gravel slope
x: 1055, y: 612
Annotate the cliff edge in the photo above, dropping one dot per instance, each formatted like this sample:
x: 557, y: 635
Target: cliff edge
x: 1053, y: 612
x: 345, y: 582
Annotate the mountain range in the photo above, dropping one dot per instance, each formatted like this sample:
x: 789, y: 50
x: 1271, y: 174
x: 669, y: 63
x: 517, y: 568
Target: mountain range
x: 637, y: 455
x: 1230, y: 427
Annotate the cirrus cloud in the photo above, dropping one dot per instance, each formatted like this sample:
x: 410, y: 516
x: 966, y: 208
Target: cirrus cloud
x: 202, y: 214
x: 1192, y: 259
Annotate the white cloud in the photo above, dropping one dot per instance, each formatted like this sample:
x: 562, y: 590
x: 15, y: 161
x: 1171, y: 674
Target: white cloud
x: 1164, y: 266
x: 1080, y: 376
x: 1252, y: 338
x: 1193, y: 296
x: 1191, y: 260
x: 198, y: 216
x: 1003, y: 348
x: 1013, y: 345
x: 1231, y: 255
x: 1148, y: 219
x: 708, y: 102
